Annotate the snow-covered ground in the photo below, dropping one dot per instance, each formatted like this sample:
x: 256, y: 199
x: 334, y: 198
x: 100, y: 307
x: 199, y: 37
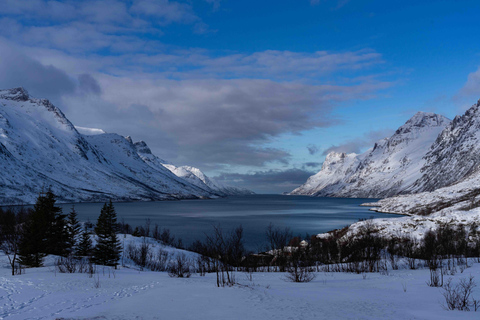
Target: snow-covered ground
x: 128, y: 293
x: 417, y: 226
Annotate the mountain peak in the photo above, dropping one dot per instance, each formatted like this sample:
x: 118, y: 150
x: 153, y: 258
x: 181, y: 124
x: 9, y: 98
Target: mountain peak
x: 335, y: 156
x: 423, y: 119
x: 16, y: 94
x: 142, y: 147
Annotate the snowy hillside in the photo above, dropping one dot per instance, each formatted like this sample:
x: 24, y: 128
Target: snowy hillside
x: 454, y: 155
x: 40, y: 148
x: 331, y: 177
x: 128, y: 293
x: 462, y: 195
x: 389, y: 168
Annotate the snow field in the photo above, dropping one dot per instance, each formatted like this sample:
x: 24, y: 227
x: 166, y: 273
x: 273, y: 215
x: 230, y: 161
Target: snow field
x: 127, y: 293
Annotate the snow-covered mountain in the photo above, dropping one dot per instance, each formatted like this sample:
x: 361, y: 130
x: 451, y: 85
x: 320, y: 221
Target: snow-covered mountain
x: 40, y: 148
x: 454, y: 155
x: 191, y: 174
x: 389, y: 168
x: 331, y: 177
x: 450, y: 178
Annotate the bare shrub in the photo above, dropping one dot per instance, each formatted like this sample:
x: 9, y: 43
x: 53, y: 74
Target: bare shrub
x: 226, y: 251
x: 180, y: 268
x: 160, y: 261
x: 141, y: 255
x: 71, y: 264
x: 299, y: 274
x: 459, y: 297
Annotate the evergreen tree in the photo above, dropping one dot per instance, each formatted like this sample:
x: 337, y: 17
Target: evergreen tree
x: 85, y: 247
x: 44, y: 232
x: 108, y: 248
x: 73, y: 230
x: 57, y: 233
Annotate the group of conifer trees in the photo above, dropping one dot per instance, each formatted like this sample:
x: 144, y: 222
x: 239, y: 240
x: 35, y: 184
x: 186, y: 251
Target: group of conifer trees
x: 27, y: 236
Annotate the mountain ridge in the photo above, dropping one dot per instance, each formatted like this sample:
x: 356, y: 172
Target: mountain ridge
x: 41, y: 148
x: 389, y: 168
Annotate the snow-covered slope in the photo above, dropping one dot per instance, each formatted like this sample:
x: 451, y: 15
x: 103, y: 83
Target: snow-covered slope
x: 191, y: 174
x: 198, y: 178
x: 129, y: 293
x: 452, y: 171
x: 330, y: 179
x: 460, y: 196
x: 387, y: 169
x: 39, y: 148
x: 454, y: 155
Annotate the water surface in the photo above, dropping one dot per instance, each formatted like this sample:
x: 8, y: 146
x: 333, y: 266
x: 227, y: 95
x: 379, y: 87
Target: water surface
x: 191, y: 219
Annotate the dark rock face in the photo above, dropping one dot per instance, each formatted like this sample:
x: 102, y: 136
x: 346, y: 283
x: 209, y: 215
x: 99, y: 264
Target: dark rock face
x: 389, y: 168
x: 454, y: 155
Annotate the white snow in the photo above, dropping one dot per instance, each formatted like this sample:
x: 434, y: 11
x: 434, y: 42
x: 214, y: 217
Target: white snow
x: 387, y: 169
x: 198, y: 178
x: 40, y: 148
x: 89, y: 131
x: 416, y: 226
x: 127, y: 293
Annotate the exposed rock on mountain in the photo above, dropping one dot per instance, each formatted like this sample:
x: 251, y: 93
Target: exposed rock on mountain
x: 389, y: 168
x: 454, y: 155
x: 40, y: 148
x: 191, y: 174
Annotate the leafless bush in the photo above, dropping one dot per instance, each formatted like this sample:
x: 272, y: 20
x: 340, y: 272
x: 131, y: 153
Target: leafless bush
x: 300, y: 274
x: 458, y: 297
x: 71, y: 264
x: 159, y: 262
x: 141, y: 255
x: 180, y: 268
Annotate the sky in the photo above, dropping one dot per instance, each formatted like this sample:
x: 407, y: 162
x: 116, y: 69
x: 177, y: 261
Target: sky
x: 254, y: 93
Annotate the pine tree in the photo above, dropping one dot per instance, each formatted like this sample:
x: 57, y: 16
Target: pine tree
x: 108, y: 248
x: 44, y: 232
x: 57, y: 234
x: 73, y: 230
x: 85, y: 247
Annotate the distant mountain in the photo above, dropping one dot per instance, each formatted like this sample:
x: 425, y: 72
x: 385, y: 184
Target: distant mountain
x: 450, y: 176
x: 191, y: 174
x: 391, y: 167
x: 40, y: 148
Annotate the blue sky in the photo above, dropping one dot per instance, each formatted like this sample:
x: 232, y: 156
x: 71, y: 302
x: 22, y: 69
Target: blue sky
x: 253, y: 92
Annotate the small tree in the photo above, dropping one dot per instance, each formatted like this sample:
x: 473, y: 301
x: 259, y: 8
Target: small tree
x: 11, y: 234
x: 108, y: 248
x: 85, y: 246
x: 278, y: 240
x: 43, y: 233
x: 298, y: 269
x: 73, y: 230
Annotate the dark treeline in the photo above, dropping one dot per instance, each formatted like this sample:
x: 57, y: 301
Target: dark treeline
x: 28, y: 235
x: 445, y: 248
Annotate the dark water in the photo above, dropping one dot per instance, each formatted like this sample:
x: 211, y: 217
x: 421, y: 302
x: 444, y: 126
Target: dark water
x: 191, y: 219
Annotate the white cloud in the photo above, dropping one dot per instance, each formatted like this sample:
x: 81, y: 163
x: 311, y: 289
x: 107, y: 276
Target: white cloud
x: 359, y: 144
x: 191, y: 105
x: 472, y: 86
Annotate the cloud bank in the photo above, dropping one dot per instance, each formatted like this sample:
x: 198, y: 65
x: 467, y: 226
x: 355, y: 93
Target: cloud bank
x: 104, y: 63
